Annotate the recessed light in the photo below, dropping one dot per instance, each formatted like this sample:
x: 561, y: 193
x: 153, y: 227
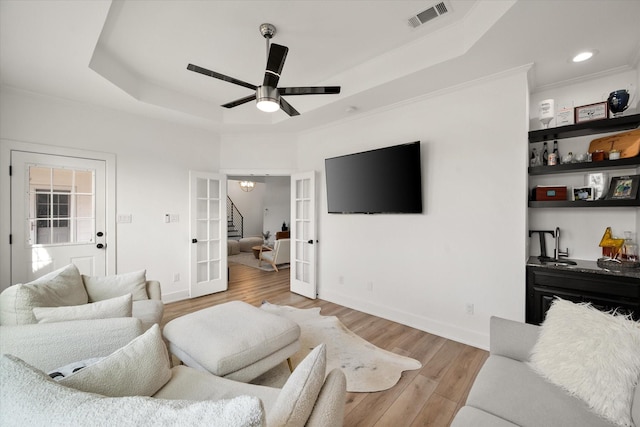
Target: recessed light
x: 583, y: 56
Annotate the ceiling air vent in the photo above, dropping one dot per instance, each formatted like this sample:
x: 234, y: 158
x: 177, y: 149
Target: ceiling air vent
x: 427, y: 15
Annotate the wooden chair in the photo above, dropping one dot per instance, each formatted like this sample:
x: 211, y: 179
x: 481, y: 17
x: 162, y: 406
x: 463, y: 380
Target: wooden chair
x: 280, y: 254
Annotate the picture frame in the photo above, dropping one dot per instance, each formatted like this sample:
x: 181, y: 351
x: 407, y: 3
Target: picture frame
x: 584, y: 193
x: 587, y: 113
x: 623, y: 187
x: 597, y: 180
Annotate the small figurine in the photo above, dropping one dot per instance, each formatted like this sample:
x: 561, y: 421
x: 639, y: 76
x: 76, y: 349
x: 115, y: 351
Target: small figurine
x: 614, y: 245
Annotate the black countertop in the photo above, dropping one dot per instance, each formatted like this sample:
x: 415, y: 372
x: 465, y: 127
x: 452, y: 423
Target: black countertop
x: 585, y: 266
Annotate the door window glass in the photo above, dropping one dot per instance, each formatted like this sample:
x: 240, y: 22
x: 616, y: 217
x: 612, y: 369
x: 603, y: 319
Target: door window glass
x: 61, y: 205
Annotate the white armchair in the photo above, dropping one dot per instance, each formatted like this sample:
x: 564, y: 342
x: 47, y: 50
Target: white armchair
x: 281, y: 254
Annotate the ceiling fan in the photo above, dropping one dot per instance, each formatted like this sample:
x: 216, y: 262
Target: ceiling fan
x: 269, y: 95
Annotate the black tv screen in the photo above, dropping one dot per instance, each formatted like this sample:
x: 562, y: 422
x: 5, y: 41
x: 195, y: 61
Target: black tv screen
x: 386, y: 180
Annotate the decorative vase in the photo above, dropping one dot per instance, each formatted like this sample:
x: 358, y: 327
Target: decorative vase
x: 618, y: 101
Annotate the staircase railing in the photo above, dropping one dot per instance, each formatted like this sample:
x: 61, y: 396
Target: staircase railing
x: 235, y: 220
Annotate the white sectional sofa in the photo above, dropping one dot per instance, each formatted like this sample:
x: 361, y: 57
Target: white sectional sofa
x: 66, y: 307
x: 511, y: 391
x: 65, y: 294
x: 134, y: 385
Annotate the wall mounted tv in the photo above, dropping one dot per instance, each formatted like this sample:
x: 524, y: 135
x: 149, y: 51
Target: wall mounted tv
x: 387, y: 180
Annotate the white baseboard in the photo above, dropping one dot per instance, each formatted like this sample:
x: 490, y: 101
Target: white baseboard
x: 422, y: 323
x: 175, y: 296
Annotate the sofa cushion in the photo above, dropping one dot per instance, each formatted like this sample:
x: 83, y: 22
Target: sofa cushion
x: 192, y: 384
x: 149, y: 311
x: 593, y: 355
x: 107, y: 309
x: 101, y: 288
x: 513, y: 391
x: 62, y: 287
x: 30, y: 397
x: 300, y: 392
x: 140, y: 368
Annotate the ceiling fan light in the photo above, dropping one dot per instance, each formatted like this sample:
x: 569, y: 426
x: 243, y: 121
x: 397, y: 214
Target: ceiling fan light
x: 268, y: 105
x: 267, y: 99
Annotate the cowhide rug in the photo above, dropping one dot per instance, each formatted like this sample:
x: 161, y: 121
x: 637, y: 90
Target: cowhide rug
x: 368, y: 368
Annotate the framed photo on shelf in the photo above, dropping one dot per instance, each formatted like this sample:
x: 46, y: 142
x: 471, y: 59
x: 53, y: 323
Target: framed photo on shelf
x: 584, y: 193
x: 586, y: 113
x: 598, y: 181
x: 623, y: 187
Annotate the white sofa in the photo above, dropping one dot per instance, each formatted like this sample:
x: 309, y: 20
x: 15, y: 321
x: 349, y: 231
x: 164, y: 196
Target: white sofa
x: 68, y: 295
x: 64, y: 306
x: 510, y: 391
x: 134, y: 385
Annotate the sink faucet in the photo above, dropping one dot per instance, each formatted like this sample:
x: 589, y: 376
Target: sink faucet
x: 543, y: 245
x: 557, y: 253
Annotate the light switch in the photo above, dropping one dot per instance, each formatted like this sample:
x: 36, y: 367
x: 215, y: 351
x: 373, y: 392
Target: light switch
x: 124, y: 218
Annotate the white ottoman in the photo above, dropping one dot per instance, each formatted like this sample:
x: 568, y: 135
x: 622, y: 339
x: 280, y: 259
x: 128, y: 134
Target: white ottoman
x: 234, y: 340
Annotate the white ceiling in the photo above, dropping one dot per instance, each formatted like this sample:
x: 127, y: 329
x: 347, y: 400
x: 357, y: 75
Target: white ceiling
x: 132, y: 55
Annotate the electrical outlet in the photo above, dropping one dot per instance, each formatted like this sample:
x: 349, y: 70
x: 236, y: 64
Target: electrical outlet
x: 341, y: 280
x: 469, y: 308
x: 176, y: 277
x: 370, y: 286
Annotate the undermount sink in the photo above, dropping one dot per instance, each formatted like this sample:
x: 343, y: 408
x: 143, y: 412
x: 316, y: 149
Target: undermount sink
x: 559, y: 262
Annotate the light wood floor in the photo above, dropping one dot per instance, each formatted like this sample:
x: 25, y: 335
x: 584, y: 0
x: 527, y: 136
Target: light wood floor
x: 430, y: 396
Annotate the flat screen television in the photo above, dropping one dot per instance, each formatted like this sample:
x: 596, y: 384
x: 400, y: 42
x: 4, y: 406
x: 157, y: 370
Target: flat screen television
x: 387, y: 180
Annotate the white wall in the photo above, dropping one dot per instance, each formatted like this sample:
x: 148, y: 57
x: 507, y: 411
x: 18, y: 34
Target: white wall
x: 581, y: 229
x: 277, y: 207
x: 469, y: 244
x: 153, y: 162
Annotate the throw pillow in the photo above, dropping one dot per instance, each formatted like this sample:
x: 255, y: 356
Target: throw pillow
x: 101, y: 288
x: 591, y: 354
x: 62, y: 287
x: 299, y: 394
x: 107, y: 309
x: 140, y: 368
x: 68, y: 369
x: 31, y: 398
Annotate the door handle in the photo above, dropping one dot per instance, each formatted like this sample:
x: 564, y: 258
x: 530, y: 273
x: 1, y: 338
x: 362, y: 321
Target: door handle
x: 99, y: 234
x: 194, y: 240
x: 310, y: 242
x: 101, y: 246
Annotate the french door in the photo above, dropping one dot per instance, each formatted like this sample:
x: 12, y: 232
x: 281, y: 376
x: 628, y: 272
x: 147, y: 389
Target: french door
x: 208, y: 230
x: 303, y: 234
x: 58, y: 211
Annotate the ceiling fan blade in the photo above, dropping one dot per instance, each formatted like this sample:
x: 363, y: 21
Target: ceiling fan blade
x: 312, y: 90
x: 215, y: 75
x: 240, y: 101
x: 275, y: 63
x: 287, y: 108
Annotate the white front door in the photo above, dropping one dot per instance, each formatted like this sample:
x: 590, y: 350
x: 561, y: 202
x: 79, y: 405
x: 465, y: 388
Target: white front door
x: 58, y: 211
x: 208, y: 228
x: 303, y: 234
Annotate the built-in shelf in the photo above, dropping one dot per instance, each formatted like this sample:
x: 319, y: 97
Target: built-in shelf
x: 586, y: 166
x: 584, y: 203
x: 592, y: 127
x: 582, y: 129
